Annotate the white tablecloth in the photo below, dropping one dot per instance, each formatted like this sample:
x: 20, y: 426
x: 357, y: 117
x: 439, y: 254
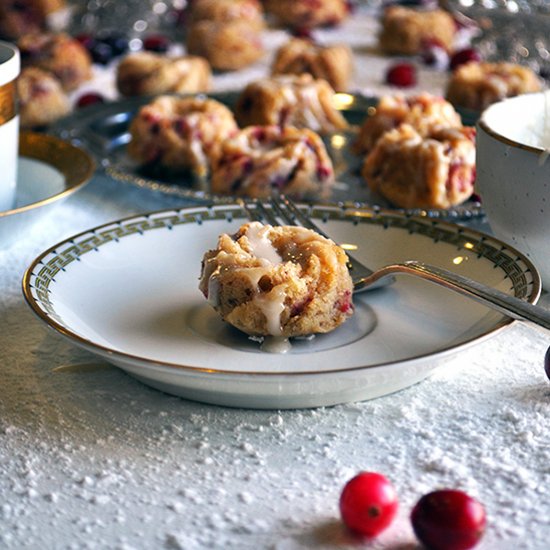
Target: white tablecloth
x: 91, y: 458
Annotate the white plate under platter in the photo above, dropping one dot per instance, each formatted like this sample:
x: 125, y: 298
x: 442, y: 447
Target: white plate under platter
x: 128, y: 292
x: 49, y: 170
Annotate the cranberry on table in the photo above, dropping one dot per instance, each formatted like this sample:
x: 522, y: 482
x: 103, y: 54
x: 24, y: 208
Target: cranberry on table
x: 303, y: 32
x: 101, y: 53
x: 464, y: 56
x: 117, y: 42
x: 448, y: 519
x: 547, y: 363
x: 402, y: 75
x: 368, y: 504
x: 156, y: 43
x: 91, y: 98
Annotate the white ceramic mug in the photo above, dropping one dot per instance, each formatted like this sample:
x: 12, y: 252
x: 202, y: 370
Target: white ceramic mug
x: 9, y: 124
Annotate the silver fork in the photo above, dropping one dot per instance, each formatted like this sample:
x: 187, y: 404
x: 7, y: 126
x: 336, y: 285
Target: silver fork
x: 366, y: 279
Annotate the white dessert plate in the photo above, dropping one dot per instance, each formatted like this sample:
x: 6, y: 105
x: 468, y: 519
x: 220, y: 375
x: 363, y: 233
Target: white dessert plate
x: 128, y: 292
x: 49, y: 170
x: 104, y: 130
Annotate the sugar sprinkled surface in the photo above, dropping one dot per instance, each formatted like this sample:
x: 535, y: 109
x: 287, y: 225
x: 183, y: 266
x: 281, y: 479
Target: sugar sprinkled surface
x: 90, y: 458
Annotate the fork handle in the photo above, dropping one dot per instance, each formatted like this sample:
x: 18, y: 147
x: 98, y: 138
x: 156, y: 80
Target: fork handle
x: 502, y: 302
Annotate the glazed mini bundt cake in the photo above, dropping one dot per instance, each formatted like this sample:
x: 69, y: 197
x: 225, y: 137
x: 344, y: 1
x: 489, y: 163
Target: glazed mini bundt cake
x: 290, y: 100
x: 260, y: 160
x: 423, y: 112
x: 278, y: 281
x: 415, y: 171
x: 180, y: 134
x: 333, y: 63
x: 148, y: 73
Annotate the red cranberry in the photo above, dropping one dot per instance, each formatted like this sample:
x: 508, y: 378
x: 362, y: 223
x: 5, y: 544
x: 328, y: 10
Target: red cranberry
x: 303, y: 32
x: 368, y: 503
x: 87, y: 40
x: 464, y: 56
x: 402, y: 75
x: 101, y: 53
x: 547, y: 363
x: 448, y: 519
x: 156, y: 43
x: 90, y: 98
x: 117, y: 42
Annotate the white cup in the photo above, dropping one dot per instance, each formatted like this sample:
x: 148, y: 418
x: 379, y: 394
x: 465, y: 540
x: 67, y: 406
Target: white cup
x: 9, y: 124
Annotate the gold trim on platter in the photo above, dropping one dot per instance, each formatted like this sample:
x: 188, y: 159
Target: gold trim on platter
x: 75, y: 165
x: 8, y: 103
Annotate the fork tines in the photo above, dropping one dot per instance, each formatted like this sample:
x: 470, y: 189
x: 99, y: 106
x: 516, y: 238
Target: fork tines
x: 277, y: 209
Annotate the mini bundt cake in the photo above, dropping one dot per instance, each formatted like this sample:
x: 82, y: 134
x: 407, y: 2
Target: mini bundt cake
x: 278, y: 281
x: 423, y: 112
x: 415, y: 171
x: 20, y: 17
x: 290, y: 100
x: 259, y: 160
x: 227, y: 46
x: 180, y: 134
x: 148, y: 73
x: 406, y: 31
x: 58, y: 53
x: 476, y: 85
x: 226, y: 11
x: 332, y: 63
x: 42, y: 99
x: 306, y: 14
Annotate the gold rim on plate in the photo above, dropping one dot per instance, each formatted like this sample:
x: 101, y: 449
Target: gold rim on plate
x: 74, y: 163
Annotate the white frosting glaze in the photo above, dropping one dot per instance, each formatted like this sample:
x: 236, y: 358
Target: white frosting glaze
x: 261, y: 246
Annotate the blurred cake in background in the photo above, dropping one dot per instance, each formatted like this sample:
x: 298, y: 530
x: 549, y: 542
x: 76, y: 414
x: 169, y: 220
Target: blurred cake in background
x: 148, y: 73
x: 226, y: 46
x: 227, y: 11
x: 305, y: 14
x: 476, y: 85
x: 180, y: 134
x: 225, y: 32
x: 19, y: 17
x: 42, y: 99
x: 407, y: 31
x: 290, y: 100
x: 424, y: 112
x: 334, y: 62
x: 58, y: 53
x: 260, y: 160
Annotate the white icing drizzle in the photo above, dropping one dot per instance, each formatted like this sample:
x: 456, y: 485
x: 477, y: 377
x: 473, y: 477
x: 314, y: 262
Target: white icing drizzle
x: 272, y: 305
x: 261, y: 246
x: 276, y: 344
